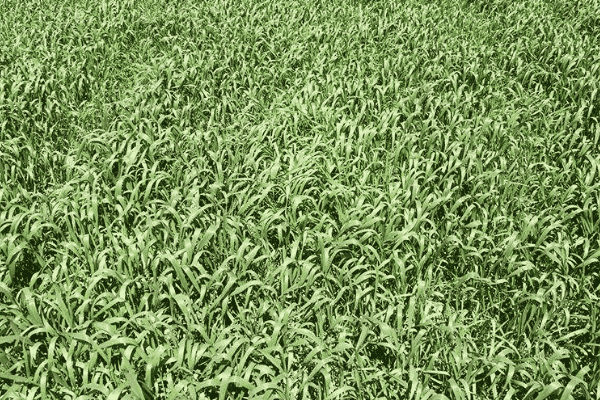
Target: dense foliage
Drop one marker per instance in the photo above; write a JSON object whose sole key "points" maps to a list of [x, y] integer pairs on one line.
{"points": [[300, 199]]}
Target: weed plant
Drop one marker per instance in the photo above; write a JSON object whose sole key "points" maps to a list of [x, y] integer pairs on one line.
{"points": [[300, 199]]}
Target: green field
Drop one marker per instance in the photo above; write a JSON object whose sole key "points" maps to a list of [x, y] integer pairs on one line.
{"points": [[300, 199]]}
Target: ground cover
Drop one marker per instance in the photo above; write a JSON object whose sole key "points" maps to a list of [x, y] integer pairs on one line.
{"points": [[299, 199]]}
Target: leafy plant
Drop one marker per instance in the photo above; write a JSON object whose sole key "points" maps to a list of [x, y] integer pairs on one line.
{"points": [[299, 199]]}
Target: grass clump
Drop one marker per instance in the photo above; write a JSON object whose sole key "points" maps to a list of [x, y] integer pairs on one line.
{"points": [[299, 199]]}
